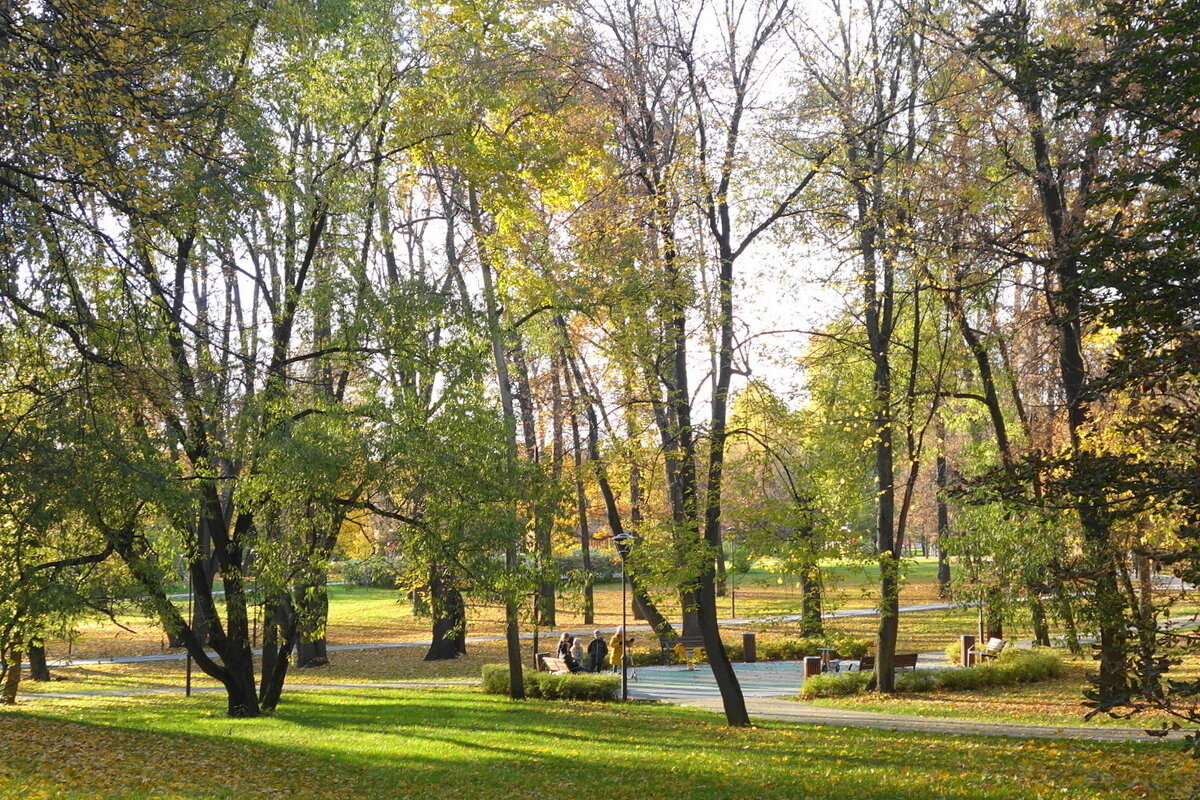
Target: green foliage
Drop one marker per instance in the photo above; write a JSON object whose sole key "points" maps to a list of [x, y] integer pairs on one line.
{"points": [[834, 684], [1017, 666], [918, 680], [377, 572], [606, 566], [547, 686]]}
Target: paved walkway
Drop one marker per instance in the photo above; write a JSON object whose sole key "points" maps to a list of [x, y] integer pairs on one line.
{"points": [[767, 685]]}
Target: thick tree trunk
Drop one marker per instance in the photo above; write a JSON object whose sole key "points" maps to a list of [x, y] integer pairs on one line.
{"points": [[38, 670], [12, 679], [313, 605], [1062, 222], [449, 638], [279, 636]]}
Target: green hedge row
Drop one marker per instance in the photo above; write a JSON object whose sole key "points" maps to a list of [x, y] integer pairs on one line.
{"points": [[576, 686], [1022, 666]]}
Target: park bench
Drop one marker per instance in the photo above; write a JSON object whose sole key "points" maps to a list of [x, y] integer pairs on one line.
{"points": [[990, 650], [555, 666], [690, 643], [899, 661]]}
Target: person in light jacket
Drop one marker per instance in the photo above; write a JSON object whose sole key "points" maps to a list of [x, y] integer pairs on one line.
{"points": [[619, 644]]}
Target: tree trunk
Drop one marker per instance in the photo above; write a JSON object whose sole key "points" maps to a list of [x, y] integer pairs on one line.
{"points": [[313, 603], [581, 510], [512, 630], [38, 670], [657, 621], [941, 478], [1037, 610], [543, 515], [449, 616], [811, 595], [279, 636], [993, 617], [12, 679]]}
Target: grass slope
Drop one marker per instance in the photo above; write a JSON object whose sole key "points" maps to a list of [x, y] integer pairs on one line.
{"points": [[460, 744]]}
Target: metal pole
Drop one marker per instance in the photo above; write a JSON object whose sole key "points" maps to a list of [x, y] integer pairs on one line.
{"points": [[187, 690], [624, 640]]}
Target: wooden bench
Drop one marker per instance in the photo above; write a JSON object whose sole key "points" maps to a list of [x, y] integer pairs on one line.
{"points": [[691, 643], [555, 666], [899, 661], [992, 649]]}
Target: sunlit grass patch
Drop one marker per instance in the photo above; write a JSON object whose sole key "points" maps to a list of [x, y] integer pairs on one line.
{"points": [[394, 744]]}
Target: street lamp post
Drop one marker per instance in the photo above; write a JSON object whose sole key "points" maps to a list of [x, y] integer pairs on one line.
{"points": [[620, 541]]}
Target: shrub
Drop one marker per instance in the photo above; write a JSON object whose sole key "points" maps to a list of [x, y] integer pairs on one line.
{"points": [[1021, 666], [495, 678], [606, 567], [576, 686], [965, 678], [954, 652], [920, 680], [834, 684], [847, 646], [645, 658], [1025, 666], [378, 572]]}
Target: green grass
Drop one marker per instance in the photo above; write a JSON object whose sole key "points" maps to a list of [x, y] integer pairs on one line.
{"points": [[393, 744], [1057, 701]]}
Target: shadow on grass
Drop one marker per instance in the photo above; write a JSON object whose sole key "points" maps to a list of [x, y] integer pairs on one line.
{"points": [[394, 744]]}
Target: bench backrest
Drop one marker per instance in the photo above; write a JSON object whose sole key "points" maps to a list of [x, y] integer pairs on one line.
{"points": [[994, 645], [690, 642], [556, 665], [899, 661]]}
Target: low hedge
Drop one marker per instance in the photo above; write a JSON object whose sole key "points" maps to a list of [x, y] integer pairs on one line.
{"points": [[1022, 666], [834, 684], [547, 686]]}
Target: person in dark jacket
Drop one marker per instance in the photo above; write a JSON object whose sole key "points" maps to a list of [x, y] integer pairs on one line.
{"points": [[598, 650]]}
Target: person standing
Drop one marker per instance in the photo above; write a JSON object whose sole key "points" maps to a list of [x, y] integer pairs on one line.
{"points": [[563, 650], [598, 650], [575, 662], [617, 646]]}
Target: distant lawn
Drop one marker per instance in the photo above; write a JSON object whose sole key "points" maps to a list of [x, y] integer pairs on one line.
{"points": [[459, 744], [366, 615]]}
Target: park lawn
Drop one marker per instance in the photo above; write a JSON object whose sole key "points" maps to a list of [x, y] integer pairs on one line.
{"points": [[443, 743], [1057, 701], [346, 666], [362, 615]]}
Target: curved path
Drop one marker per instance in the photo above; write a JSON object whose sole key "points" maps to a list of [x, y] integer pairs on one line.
{"points": [[766, 687]]}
